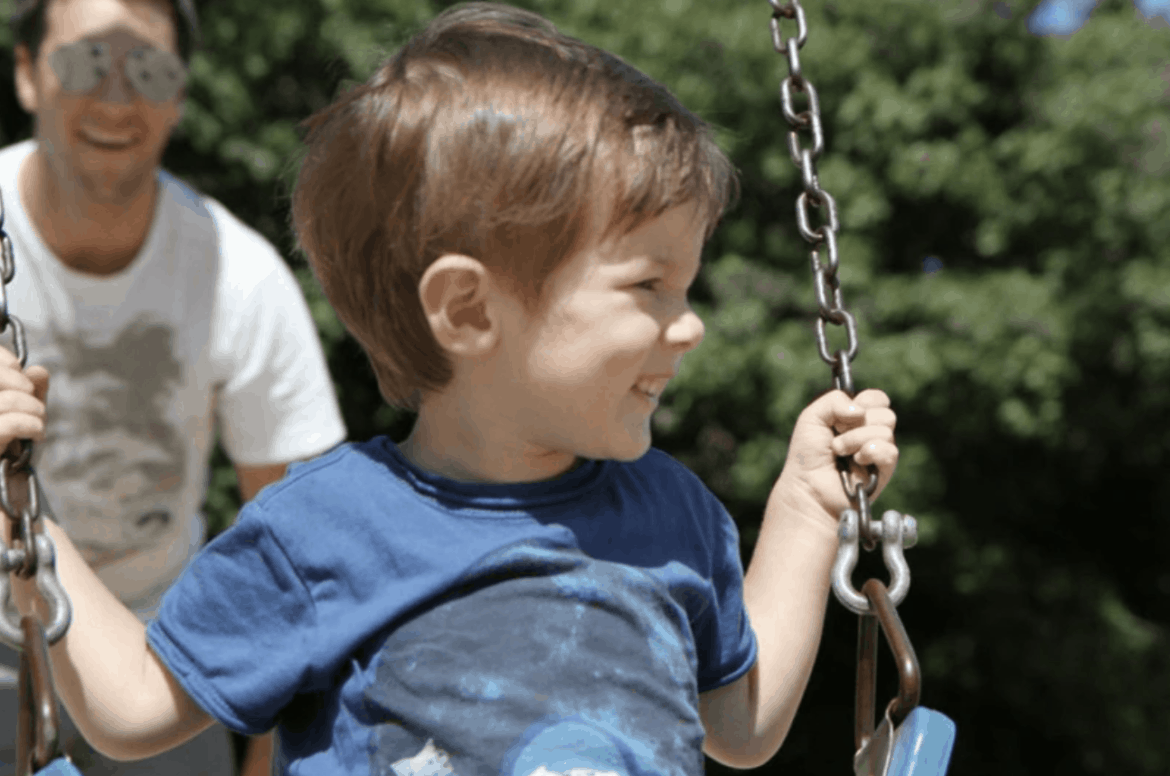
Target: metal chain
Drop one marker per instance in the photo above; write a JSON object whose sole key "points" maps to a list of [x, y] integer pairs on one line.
{"points": [[32, 553], [895, 531]]}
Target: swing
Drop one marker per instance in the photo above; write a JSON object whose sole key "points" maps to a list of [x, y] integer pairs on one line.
{"points": [[31, 555], [910, 740]]}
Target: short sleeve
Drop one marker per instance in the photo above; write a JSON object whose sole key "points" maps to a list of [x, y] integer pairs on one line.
{"points": [[276, 401], [668, 520], [233, 628], [724, 637]]}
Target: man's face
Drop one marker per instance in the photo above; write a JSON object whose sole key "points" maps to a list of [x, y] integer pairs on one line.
{"points": [[100, 132]]}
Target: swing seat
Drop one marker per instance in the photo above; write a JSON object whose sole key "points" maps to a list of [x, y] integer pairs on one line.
{"points": [[59, 767], [922, 744]]}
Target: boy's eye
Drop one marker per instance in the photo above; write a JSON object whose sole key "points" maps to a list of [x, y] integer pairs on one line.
{"points": [[650, 285]]}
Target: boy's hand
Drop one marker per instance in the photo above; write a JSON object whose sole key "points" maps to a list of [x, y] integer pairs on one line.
{"points": [[22, 400], [835, 425], [22, 416]]}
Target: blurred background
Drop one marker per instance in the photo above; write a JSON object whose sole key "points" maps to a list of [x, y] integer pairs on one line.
{"points": [[1003, 176]]}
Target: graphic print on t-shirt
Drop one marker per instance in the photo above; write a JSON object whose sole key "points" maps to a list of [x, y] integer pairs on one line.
{"points": [[544, 662], [112, 464]]}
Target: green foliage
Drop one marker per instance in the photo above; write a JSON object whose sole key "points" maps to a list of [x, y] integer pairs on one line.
{"points": [[1028, 373]]}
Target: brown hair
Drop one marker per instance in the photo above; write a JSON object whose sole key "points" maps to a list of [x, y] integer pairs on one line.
{"points": [[489, 134]]}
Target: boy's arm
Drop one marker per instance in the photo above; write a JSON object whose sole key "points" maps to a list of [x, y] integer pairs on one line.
{"points": [[786, 588], [787, 583], [125, 702]]}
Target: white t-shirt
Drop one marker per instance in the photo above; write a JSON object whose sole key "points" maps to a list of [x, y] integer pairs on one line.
{"points": [[206, 323]]}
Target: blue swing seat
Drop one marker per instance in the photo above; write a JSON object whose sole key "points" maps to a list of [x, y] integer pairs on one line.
{"points": [[59, 767], [922, 744]]}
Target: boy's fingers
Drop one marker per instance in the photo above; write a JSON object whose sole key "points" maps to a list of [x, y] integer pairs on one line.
{"points": [[868, 408], [21, 425], [881, 454], [21, 402], [836, 410], [853, 441], [15, 380], [8, 358], [881, 417], [872, 398], [39, 377]]}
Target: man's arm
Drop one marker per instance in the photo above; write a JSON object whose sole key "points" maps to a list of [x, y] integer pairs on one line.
{"points": [[252, 479]]}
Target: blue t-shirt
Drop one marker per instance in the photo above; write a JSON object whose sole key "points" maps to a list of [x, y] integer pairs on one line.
{"points": [[392, 621]]}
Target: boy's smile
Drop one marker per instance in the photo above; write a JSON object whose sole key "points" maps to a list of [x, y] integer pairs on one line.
{"points": [[588, 370], [581, 376]]}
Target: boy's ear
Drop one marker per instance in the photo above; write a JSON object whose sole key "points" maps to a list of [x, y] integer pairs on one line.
{"points": [[455, 292]]}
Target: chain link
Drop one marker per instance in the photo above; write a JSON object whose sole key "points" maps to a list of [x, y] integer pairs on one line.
{"points": [[827, 284], [857, 527], [32, 553]]}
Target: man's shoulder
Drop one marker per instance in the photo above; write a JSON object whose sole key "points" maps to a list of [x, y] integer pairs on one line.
{"points": [[247, 259], [17, 150], [237, 239], [12, 156]]}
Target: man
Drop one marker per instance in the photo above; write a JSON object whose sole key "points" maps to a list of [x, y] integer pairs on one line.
{"points": [[155, 312]]}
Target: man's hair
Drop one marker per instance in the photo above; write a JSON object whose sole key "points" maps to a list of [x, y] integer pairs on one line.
{"points": [[28, 25], [492, 135]]}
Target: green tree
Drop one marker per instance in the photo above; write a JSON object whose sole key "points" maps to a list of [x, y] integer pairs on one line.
{"points": [[1028, 372]]}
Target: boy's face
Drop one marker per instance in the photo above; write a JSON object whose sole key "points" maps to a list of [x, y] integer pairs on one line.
{"points": [[587, 370]]}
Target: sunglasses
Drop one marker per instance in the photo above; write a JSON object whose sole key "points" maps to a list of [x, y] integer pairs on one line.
{"points": [[83, 66]]}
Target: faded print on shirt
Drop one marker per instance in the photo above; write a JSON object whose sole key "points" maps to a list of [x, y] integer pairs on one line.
{"points": [[547, 662], [113, 463]]}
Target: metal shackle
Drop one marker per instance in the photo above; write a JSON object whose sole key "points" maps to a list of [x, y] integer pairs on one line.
{"points": [[898, 532], [61, 612]]}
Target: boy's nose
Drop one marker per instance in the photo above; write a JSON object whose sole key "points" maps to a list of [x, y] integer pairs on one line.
{"points": [[686, 331]]}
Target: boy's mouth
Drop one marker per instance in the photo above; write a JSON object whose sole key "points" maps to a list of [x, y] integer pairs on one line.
{"points": [[647, 396], [651, 387]]}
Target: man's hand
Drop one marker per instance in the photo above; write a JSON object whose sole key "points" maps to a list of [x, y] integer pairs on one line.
{"points": [[835, 425], [22, 400]]}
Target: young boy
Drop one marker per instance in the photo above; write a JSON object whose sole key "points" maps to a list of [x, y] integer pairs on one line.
{"points": [[508, 221]]}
